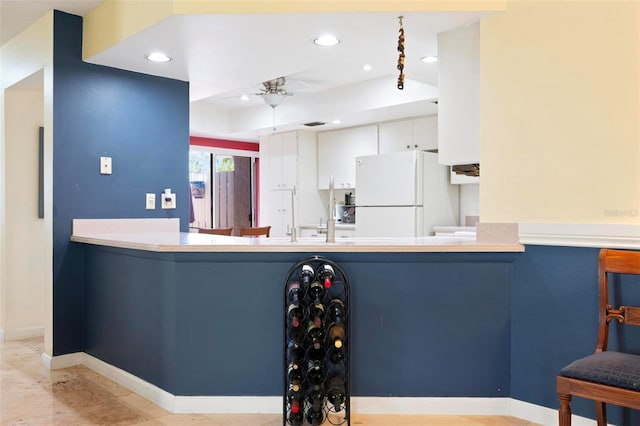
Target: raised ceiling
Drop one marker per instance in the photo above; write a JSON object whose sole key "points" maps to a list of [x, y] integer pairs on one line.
{"points": [[224, 56]]}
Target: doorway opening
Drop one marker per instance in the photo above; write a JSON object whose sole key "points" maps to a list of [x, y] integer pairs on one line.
{"points": [[223, 190]]}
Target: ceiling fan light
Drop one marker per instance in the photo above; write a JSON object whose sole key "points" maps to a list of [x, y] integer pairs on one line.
{"points": [[273, 99], [326, 40]]}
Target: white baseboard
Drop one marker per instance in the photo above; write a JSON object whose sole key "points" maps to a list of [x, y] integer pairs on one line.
{"points": [[62, 361], [228, 404], [430, 405], [273, 404], [21, 333], [135, 384]]}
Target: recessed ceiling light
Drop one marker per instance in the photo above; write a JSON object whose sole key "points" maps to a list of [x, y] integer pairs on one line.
{"points": [[336, 122], [366, 67], [429, 59], [158, 57], [244, 98], [326, 40]]}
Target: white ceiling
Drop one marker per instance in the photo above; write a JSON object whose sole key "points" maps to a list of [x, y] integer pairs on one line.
{"points": [[225, 56]]}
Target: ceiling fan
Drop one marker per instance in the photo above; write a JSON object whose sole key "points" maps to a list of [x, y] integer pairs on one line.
{"points": [[274, 92]]}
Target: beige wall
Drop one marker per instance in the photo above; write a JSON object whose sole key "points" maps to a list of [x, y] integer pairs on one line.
{"points": [[28, 53], [560, 114], [25, 275]]}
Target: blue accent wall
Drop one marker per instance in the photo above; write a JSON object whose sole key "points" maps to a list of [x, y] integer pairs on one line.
{"points": [[554, 320], [422, 324], [142, 123]]}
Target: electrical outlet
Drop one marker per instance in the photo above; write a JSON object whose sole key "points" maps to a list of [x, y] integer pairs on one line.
{"points": [[168, 200], [151, 201], [105, 165]]}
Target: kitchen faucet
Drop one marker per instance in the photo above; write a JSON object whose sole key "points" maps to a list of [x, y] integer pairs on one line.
{"points": [[293, 215], [331, 222]]}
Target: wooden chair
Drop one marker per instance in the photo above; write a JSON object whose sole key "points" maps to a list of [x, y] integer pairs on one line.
{"points": [[215, 231], [255, 232], [607, 377]]}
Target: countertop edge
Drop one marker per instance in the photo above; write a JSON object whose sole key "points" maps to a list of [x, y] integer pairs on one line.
{"points": [[346, 246]]}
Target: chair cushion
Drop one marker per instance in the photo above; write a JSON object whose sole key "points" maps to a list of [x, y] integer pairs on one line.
{"points": [[608, 368]]}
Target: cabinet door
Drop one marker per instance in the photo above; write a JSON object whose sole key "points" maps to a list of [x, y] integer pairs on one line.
{"points": [[363, 141], [289, 157], [459, 96], [282, 152], [277, 213], [425, 133], [331, 161], [395, 136], [337, 152], [345, 233]]}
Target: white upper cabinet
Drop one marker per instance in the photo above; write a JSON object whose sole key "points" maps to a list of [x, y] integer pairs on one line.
{"points": [[337, 152], [402, 135], [282, 155], [459, 96]]}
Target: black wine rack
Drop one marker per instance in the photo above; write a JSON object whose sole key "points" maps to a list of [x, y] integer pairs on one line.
{"points": [[316, 344]]}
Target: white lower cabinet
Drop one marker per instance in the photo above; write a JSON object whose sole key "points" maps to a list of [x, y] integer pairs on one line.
{"points": [[277, 213], [307, 232]]}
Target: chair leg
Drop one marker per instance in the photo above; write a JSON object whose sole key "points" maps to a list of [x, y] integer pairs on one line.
{"points": [[564, 414], [601, 413]]}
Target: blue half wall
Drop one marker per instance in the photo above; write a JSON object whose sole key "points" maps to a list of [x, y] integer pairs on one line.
{"points": [[142, 123]]}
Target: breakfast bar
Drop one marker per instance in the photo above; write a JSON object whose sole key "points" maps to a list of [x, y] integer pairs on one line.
{"points": [[201, 315]]}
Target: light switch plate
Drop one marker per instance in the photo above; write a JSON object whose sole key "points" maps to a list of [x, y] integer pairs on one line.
{"points": [[105, 165], [151, 201]]}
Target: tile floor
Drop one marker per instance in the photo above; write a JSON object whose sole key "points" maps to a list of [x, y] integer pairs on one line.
{"points": [[32, 395]]}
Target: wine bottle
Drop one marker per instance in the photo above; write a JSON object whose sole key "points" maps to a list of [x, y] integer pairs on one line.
{"points": [[315, 372], [315, 397], [315, 417], [336, 311], [295, 292], [316, 313], [295, 312], [336, 355], [316, 352], [294, 373], [336, 334], [306, 275], [316, 292], [295, 353], [295, 417], [336, 393], [315, 332], [326, 275], [295, 334], [295, 399]]}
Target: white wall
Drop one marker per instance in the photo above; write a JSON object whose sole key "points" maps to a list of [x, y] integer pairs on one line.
{"points": [[469, 201], [28, 53], [560, 108]]}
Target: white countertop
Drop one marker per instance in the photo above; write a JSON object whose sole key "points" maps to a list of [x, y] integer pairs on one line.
{"points": [[194, 242]]}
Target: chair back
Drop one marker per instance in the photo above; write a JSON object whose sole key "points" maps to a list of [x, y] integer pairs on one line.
{"points": [[215, 231], [255, 232], [614, 262]]}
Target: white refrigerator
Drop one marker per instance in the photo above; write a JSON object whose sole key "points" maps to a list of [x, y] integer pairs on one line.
{"points": [[403, 194]]}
